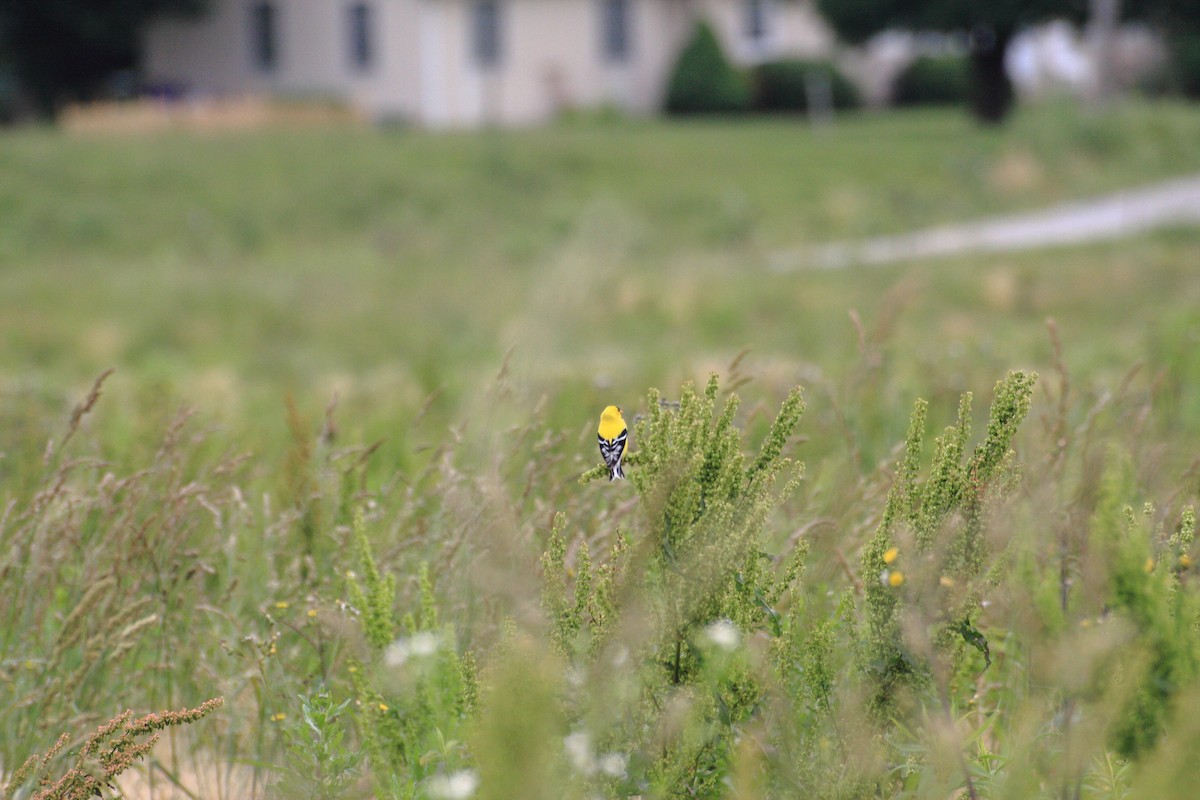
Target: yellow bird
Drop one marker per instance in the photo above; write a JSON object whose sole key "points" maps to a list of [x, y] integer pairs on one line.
{"points": [[612, 436]]}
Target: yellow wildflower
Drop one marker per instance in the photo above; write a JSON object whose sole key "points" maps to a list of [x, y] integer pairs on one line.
{"points": [[891, 555]]}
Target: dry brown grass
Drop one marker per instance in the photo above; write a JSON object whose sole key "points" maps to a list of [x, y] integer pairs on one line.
{"points": [[174, 771], [208, 115]]}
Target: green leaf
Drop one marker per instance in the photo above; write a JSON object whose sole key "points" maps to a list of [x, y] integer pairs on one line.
{"points": [[973, 637]]}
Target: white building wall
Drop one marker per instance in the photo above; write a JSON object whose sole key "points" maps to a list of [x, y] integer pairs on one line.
{"points": [[661, 29], [209, 55], [803, 32], [793, 28], [450, 93], [424, 69], [311, 41], [551, 60], [434, 29], [388, 88]]}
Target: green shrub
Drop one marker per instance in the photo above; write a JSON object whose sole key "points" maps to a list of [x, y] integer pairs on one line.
{"points": [[8, 95], [413, 693], [1178, 74], [1145, 572], [1185, 64], [703, 81], [320, 764], [695, 578], [933, 81], [783, 85], [943, 518]]}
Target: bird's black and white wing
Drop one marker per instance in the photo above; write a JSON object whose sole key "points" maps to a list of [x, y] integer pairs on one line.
{"points": [[611, 450]]}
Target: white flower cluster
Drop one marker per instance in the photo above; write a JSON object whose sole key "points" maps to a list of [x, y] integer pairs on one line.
{"points": [[724, 634], [581, 755], [455, 786], [419, 645]]}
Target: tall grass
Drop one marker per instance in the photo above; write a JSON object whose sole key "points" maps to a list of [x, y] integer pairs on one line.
{"points": [[335, 476], [1014, 618]]}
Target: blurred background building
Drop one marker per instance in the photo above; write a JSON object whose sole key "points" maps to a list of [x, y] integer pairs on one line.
{"points": [[469, 63], [463, 63]]}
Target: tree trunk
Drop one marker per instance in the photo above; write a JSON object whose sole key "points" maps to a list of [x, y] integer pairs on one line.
{"points": [[1102, 27], [991, 90]]}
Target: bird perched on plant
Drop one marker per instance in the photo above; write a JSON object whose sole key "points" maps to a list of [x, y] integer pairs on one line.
{"points": [[612, 436]]}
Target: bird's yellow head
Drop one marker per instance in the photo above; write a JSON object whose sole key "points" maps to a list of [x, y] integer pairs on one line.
{"points": [[611, 422]]}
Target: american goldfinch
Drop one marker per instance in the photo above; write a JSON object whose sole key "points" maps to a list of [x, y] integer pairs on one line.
{"points": [[612, 435]]}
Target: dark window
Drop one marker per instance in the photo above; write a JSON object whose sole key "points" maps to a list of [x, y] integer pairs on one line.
{"points": [[756, 19], [615, 29], [362, 54], [486, 32], [263, 24]]}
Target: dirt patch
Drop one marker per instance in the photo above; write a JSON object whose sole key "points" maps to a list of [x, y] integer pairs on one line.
{"points": [[143, 117]]}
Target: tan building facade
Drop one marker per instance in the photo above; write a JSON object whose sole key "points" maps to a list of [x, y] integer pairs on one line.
{"points": [[465, 63]]}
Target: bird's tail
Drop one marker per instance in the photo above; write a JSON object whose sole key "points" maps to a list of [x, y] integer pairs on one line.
{"points": [[615, 472]]}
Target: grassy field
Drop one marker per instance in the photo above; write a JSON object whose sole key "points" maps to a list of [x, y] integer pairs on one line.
{"points": [[349, 357]]}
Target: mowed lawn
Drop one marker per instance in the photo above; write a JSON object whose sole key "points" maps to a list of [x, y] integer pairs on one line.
{"points": [[399, 342], [390, 265]]}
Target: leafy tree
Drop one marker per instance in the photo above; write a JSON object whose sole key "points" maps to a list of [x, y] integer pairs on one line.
{"points": [[783, 85], [703, 81], [1180, 21], [991, 26], [933, 80], [62, 50]]}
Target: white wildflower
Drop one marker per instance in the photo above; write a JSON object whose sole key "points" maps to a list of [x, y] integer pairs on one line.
{"points": [[419, 645], [396, 653], [613, 764], [455, 786], [724, 634], [422, 644], [576, 677], [620, 655], [579, 750]]}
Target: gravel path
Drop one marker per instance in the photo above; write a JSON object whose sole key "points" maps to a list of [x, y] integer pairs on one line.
{"points": [[1124, 213]]}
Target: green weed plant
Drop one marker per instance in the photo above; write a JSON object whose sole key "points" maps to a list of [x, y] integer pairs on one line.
{"points": [[1005, 611]]}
